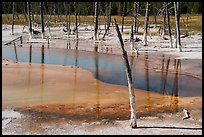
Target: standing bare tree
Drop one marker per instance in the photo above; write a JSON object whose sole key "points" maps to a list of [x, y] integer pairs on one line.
{"points": [[76, 20], [155, 14], [138, 6], [177, 18], [42, 20], [169, 24], [123, 14], [96, 20], [132, 42], [13, 13], [54, 12], [164, 20], [108, 19], [133, 117], [144, 40], [135, 16], [29, 19]]}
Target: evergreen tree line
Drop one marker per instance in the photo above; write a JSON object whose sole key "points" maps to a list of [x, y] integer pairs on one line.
{"points": [[87, 8]]}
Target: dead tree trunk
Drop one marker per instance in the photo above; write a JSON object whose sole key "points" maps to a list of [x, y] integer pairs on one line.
{"points": [[186, 23], [175, 40], [67, 22], [54, 11], [169, 24], [187, 19], [96, 20], [138, 5], [133, 117], [164, 20], [32, 15], [29, 19], [108, 20], [49, 22], [123, 14], [13, 12], [132, 42], [146, 25], [135, 17], [42, 20], [155, 14], [136, 9], [106, 17], [24, 13], [177, 18], [76, 21]]}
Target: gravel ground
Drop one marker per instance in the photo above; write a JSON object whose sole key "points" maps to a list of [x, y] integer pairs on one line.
{"points": [[162, 124]]}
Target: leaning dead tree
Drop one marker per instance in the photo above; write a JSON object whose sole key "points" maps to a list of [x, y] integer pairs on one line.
{"points": [[177, 32], [133, 117], [144, 40], [96, 20], [13, 11], [42, 20], [29, 19]]}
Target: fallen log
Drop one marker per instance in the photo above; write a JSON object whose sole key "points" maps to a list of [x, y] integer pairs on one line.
{"points": [[16, 39], [38, 41]]}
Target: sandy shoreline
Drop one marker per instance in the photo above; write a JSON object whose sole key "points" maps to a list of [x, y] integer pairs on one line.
{"points": [[165, 124]]}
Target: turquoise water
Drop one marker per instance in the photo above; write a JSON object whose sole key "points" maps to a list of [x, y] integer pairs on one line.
{"points": [[111, 69]]}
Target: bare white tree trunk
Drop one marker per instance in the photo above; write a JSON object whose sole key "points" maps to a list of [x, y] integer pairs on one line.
{"points": [[96, 20], [42, 20], [144, 40], [108, 21], [109, 15], [29, 19], [133, 118], [164, 20], [106, 17], [155, 14], [175, 40], [13, 12], [132, 42], [123, 14], [177, 18], [169, 24], [76, 21], [135, 17], [186, 25]]}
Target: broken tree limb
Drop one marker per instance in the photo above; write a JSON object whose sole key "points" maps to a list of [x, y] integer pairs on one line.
{"points": [[133, 118]]}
